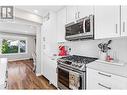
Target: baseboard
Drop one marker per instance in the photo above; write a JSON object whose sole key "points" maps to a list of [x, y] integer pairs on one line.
{"points": [[38, 74]]}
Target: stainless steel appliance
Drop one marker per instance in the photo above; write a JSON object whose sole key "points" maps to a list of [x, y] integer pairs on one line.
{"points": [[72, 71], [82, 29]]}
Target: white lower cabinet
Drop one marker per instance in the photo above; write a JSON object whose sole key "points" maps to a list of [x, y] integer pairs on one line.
{"points": [[49, 69], [53, 73], [97, 80], [46, 66]]}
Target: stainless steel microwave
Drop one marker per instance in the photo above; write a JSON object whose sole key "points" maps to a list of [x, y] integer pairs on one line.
{"points": [[81, 29]]}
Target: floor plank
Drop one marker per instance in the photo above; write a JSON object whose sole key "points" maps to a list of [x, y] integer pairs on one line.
{"points": [[21, 76]]}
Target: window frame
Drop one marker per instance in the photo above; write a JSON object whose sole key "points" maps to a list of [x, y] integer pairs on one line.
{"points": [[26, 51]]}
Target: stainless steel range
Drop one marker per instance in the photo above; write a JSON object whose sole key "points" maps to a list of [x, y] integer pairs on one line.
{"points": [[72, 71]]}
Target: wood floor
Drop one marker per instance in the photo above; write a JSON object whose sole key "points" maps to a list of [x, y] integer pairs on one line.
{"points": [[21, 76]]}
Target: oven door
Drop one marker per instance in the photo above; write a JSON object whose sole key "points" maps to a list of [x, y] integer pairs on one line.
{"points": [[66, 79], [63, 78]]}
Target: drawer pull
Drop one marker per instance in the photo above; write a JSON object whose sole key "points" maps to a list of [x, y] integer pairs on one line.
{"points": [[116, 29], [123, 26], [104, 86], [104, 74]]}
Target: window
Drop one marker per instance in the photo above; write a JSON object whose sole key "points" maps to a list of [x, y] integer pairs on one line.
{"points": [[13, 46], [22, 46]]}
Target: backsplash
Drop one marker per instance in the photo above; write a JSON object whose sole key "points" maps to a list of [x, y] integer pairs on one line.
{"points": [[90, 47]]}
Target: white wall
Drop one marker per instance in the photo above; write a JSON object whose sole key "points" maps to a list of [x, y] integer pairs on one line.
{"points": [[30, 46], [90, 47], [38, 50]]}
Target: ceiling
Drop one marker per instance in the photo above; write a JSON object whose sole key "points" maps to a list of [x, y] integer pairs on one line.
{"points": [[39, 10]]}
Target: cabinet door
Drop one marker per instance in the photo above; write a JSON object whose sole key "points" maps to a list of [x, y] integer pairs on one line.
{"points": [[49, 69], [98, 80], [92, 79], [123, 20], [50, 35], [71, 14], [53, 73], [61, 21], [84, 11], [107, 21], [119, 82], [45, 66]]}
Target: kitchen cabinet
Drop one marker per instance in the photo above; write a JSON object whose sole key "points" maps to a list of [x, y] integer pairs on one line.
{"points": [[123, 20], [49, 47], [107, 21], [49, 69], [77, 12], [61, 21], [84, 11], [71, 14], [45, 66], [53, 72], [98, 80], [49, 35]]}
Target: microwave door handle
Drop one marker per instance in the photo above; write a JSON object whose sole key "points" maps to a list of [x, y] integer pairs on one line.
{"points": [[84, 26]]}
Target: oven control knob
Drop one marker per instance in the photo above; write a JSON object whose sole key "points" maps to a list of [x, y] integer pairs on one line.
{"points": [[76, 65]]}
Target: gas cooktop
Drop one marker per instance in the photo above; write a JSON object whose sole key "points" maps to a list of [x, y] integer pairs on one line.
{"points": [[76, 61]]}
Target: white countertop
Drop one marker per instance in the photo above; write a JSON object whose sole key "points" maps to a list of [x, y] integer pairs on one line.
{"points": [[109, 68]]}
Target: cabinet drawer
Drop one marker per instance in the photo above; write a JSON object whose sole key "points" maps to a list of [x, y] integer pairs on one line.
{"points": [[101, 80], [119, 82], [98, 80], [111, 80]]}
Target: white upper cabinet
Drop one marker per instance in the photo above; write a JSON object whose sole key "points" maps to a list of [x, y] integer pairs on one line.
{"points": [[123, 20], [61, 21], [84, 11], [49, 34], [107, 21], [71, 14], [77, 12]]}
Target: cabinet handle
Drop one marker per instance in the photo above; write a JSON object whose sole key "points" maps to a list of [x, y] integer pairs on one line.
{"points": [[6, 74], [104, 86], [78, 14], [123, 26], [6, 84], [104, 74], [56, 70], [116, 29], [75, 15]]}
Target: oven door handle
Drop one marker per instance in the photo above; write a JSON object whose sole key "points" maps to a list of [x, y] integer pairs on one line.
{"points": [[68, 70]]}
